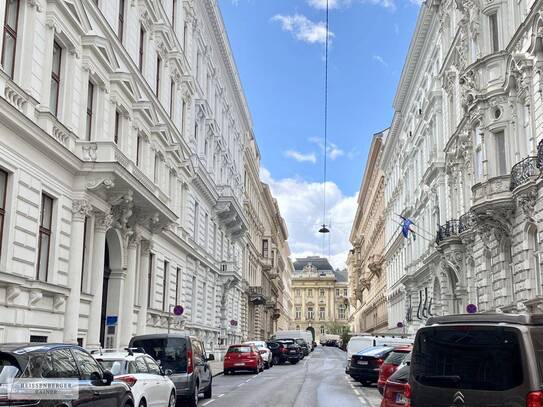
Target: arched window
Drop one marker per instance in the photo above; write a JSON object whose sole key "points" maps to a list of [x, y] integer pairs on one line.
{"points": [[534, 257]]}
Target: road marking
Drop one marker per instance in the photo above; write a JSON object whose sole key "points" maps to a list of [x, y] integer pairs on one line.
{"points": [[208, 402], [248, 380], [241, 384], [357, 392], [220, 395]]}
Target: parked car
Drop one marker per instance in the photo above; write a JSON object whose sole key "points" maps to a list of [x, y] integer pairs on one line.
{"points": [[61, 361], [391, 363], [150, 385], [186, 357], [478, 360], [361, 342], [279, 352], [365, 365], [264, 352], [397, 391], [303, 344], [293, 351], [243, 357]]}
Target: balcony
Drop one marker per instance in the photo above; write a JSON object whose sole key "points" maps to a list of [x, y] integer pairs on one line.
{"points": [[451, 228], [266, 263], [230, 212], [495, 191], [525, 171], [257, 295], [230, 269]]}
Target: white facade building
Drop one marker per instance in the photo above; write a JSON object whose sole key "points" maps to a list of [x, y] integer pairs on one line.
{"points": [[123, 128], [467, 127]]}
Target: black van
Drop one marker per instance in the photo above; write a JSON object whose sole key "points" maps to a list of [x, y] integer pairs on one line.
{"points": [[480, 360], [185, 356]]}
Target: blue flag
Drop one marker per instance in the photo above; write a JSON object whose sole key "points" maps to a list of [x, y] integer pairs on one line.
{"points": [[406, 228]]}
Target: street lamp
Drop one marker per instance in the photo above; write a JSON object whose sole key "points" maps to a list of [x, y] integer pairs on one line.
{"points": [[324, 229]]}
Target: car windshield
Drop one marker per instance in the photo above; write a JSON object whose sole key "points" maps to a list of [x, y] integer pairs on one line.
{"points": [[239, 349], [171, 352], [395, 358], [115, 366], [286, 341], [468, 357], [9, 368], [374, 351], [300, 342]]}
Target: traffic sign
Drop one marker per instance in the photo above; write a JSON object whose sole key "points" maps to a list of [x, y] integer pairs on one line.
{"points": [[471, 308], [178, 310]]}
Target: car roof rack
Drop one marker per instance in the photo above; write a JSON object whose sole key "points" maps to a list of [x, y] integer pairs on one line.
{"points": [[131, 351], [488, 318]]}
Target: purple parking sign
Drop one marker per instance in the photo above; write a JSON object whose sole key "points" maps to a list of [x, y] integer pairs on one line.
{"points": [[178, 310], [471, 308]]}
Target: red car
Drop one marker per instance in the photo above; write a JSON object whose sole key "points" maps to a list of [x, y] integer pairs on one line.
{"points": [[243, 357], [391, 363], [397, 392]]}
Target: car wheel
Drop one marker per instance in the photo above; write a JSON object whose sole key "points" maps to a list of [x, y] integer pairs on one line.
{"points": [[209, 391], [266, 365], [275, 360], [293, 362], [143, 403], [256, 371], [193, 399], [173, 400]]}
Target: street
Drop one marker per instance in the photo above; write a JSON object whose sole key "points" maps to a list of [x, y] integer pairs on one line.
{"points": [[318, 380]]}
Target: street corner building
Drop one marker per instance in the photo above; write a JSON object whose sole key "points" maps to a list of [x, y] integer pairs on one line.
{"points": [[462, 161], [365, 262], [320, 297], [124, 135]]}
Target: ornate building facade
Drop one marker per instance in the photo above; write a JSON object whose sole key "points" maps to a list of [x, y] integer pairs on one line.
{"points": [[467, 130], [320, 296], [367, 277], [122, 153]]}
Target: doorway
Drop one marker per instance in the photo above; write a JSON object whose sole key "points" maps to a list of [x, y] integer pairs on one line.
{"points": [[107, 274]]}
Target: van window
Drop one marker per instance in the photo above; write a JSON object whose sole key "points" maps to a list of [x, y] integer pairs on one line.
{"points": [[9, 368], [396, 358], [537, 340], [468, 357], [239, 349], [171, 352]]}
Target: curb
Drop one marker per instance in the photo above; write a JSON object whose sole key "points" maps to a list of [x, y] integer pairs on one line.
{"points": [[218, 374]]}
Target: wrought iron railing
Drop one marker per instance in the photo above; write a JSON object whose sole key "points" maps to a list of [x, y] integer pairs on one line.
{"points": [[450, 228], [466, 222], [524, 170], [540, 155]]}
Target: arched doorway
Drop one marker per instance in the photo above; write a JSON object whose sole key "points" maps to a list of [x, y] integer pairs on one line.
{"points": [[312, 330], [111, 289]]}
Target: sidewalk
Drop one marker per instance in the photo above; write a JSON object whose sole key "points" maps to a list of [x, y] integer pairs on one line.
{"points": [[216, 367]]}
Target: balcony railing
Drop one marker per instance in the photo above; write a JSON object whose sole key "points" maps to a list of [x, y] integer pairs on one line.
{"points": [[466, 222], [524, 170], [449, 229], [539, 162]]}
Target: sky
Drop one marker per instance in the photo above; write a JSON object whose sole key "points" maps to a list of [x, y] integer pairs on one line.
{"points": [[279, 50]]}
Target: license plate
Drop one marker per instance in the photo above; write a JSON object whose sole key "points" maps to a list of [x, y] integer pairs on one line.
{"points": [[239, 364], [362, 362], [401, 399], [293, 351]]}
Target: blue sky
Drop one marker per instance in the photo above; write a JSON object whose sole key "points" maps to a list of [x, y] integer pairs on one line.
{"points": [[279, 51]]}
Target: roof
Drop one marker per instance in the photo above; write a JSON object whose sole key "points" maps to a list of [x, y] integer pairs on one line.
{"points": [[320, 263], [490, 318], [341, 276]]}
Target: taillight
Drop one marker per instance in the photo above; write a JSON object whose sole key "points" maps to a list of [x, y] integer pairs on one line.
{"points": [[535, 399], [407, 394], [190, 367], [130, 380], [284, 350]]}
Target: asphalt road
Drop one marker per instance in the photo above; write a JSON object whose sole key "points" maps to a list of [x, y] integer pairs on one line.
{"points": [[317, 381]]}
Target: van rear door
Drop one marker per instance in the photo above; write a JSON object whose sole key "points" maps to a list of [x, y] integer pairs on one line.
{"points": [[471, 365]]}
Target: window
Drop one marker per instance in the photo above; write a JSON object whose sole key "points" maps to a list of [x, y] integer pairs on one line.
{"points": [[321, 292], [153, 367], [117, 130], [214, 248], [204, 301], [337, 292], [38, 339], [11, 20], [174, 12], [165, 305], [206, 231], [501, 162], [479, 153], [322, 330], [86, 363], [265, 249], [183, 115], [158, 72], [345, 292], [196, 219], [139, 152], [310, 292], [322, 313], [195, 132], [185, 33], [63, 365], [150, 282], [44, 238], [157, 169], [55, 78], [172, 95], [494, 33], [120, 27], [83, 258], [534, 258], [297, 292], [90, 103], [193, 305], [310, 313], [3, 195], [178, 281], [298, 313], [141, 50], [341, 312]]}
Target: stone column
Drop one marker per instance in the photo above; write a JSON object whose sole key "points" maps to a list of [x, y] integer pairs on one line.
{"points": [[80, 210], [144, 285], [127, 315], [101, 226]]}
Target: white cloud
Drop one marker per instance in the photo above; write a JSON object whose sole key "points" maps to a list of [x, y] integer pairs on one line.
{"points": [[301, 157], [321, 4], [332, 149], [303, 28], [380, 59], [300, 202], [389, 4]]}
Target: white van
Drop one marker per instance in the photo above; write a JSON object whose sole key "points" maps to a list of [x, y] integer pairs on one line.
{"points": [[358, 343]]}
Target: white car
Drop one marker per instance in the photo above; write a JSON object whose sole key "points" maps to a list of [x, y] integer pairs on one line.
{"points": [[150, 386], [266, 354]]}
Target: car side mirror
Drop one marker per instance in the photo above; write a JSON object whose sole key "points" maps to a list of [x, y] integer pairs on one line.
{"points": [[210, 357], [107, 378], [168, 372]]}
